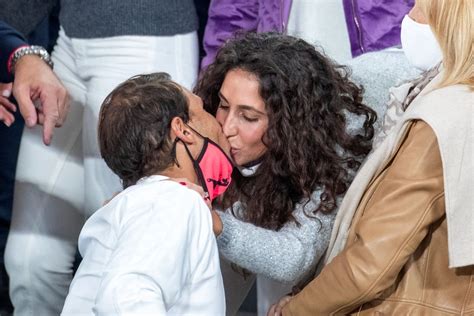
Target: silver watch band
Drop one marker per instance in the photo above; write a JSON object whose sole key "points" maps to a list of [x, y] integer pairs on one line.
{"points": [[31, 50]]}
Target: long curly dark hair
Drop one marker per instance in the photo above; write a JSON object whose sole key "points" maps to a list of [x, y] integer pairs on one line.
{"points": [[307, 99]]}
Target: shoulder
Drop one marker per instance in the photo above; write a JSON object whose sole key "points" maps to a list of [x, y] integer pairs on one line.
{"points": [[154, 199], [456, 93], [420, 137], [448, 110], [454, 101], [418, 158]]}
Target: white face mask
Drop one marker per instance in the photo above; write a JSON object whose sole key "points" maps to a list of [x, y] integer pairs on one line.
{"points": [[419, 44]]}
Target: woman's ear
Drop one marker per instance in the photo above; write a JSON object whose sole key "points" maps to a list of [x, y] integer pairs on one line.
{"points": [[182, 131]]}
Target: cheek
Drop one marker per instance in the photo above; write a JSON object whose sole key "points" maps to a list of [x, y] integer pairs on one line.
{"points": [[252, 137]]}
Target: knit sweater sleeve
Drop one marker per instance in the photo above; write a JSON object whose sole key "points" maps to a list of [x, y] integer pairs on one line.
{"points": [[286, 255]]}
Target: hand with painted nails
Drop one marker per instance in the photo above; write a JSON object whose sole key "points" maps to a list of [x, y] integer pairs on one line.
{"points": [[35, 83], [6, 107]]}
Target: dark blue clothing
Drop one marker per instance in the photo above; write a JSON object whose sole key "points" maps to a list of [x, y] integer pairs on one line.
{"points": [[45, 35], [10, 40]]}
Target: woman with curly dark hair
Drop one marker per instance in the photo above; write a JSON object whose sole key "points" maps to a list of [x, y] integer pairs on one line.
{"points": [[288, 113]]}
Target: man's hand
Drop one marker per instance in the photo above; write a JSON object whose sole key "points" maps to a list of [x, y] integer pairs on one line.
{"points": [[6, 107], [277, 308], [35, 81]]}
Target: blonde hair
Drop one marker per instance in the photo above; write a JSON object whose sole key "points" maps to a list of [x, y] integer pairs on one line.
{"points": [[452, 22]]}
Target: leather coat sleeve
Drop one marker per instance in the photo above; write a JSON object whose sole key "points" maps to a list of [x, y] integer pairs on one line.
{"points": [[407, 200]]}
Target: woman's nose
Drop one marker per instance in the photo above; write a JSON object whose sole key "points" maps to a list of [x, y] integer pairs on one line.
{"points": [[229, 126]]}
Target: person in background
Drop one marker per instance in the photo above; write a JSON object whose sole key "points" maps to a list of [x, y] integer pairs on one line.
{"points": [[285, 108], [30, 70], [33, 74], [100, 44], [151, 249], [402, 241], [355, 27]]}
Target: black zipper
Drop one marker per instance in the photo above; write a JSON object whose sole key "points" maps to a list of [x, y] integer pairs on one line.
{"points": [[357, 24]]}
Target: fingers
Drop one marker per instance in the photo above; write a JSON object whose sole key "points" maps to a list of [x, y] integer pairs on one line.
{"points": [[6, 117], [7, 104], [6, 89], [277, 309], [271, 311], [27, 108], [34, 80], [40, 118], [51, 115], [55, 102], [208, 201], [217, 225], [61, 107], [6, 107]]}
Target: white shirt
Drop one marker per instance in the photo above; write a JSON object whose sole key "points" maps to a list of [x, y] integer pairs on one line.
{"points": [[149, 251]]}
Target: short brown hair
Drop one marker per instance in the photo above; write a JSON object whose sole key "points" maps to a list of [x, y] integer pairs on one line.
{"points": [[134, 126]]}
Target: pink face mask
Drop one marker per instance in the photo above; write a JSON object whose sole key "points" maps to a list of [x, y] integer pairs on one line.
{"points": [[213, 168]]}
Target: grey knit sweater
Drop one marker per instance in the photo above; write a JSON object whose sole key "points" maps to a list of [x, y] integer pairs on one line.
{"points": [[105, 18], [286, 255], [377, 72]]}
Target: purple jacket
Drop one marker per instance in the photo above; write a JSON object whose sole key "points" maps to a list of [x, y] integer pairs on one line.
{"points": [[228, 16], [372, 24]]}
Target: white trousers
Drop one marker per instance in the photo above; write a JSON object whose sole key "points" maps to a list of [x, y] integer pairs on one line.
{"points": [[59, 186]]}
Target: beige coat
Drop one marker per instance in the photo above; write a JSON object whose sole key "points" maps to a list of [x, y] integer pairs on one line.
{"points": [[407, 211]]}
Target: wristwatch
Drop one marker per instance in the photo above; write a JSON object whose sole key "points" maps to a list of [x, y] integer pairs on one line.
{"points": [[30, 50]]}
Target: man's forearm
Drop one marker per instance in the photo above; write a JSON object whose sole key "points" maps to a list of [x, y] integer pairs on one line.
{"points": [[10, 40]]}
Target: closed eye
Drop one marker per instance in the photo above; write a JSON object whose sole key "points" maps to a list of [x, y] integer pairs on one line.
{"points": [[248, 119], [223, 106]]}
